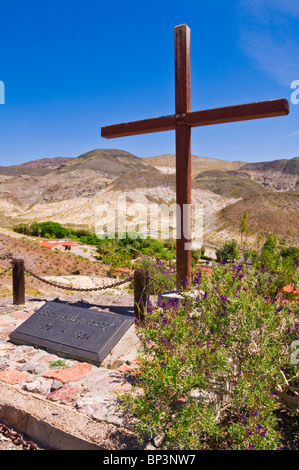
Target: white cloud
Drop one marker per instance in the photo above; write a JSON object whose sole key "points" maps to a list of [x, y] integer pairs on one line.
{"points": [[268, 37], [261, 7], [262, 142]]}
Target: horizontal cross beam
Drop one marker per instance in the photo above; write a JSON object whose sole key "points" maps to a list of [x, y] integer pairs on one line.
{"points": [[242, 112]]}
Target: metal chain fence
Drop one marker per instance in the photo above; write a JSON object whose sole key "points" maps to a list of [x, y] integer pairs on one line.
{"points": [[80, 289], [17, 438], [88, 289], [5, 256], [6, 270]]}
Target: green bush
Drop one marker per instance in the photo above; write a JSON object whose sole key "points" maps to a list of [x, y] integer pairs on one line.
{"points": [[229, 251], [160, 271], [210, 368]]}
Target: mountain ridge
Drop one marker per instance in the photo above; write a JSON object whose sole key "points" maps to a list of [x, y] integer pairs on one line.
{"points": [[69, 190], [290, 166], [41, 166]]}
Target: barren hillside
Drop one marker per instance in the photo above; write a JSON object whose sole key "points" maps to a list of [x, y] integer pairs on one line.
{"points": [[43, 262], [267, 213], [71, 191]]}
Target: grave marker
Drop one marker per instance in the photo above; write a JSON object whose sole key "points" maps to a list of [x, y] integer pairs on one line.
{"points": [[76, 332]]}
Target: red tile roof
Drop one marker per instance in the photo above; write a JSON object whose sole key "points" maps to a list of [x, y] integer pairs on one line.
{"points": [[48, 244]]}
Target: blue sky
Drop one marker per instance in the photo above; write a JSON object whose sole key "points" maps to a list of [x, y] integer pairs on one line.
{"points": [[71, 67]]}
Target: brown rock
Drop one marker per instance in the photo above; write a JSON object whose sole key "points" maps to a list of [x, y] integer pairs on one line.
{"points": [[13, 377], [65, 394], [123, 388], [21, 315], [71, 374]]}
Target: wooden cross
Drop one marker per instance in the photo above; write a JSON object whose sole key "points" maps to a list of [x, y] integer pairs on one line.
{"points": [[181, 122]]}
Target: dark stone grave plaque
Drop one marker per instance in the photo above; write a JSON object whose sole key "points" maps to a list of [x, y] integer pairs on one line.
{"points": [[75, 332]]}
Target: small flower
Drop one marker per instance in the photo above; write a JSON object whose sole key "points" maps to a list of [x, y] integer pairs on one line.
{"points": [[224, 298]]}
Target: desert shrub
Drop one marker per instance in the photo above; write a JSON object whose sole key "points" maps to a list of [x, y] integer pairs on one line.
{"points": [[228, 252], [211, 369], [159, 271]]}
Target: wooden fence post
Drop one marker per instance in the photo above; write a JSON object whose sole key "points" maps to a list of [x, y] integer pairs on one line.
{"points": [[141, 292], [18, 282]]}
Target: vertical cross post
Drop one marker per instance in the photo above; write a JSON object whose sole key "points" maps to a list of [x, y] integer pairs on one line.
{"points": [[141, 293], [181, 122], [183, 152], [18, 282]]}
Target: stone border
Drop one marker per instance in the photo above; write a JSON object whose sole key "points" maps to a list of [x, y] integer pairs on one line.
{"points": [[57, 427]]}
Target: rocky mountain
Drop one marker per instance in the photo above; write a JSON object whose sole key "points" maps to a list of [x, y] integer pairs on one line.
{"points": [[280, 175], [39, 167], [285, 166], [71, 190], [166, 164]]}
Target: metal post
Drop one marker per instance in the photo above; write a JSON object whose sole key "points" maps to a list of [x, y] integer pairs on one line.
{"points": [[18, 282], [141, 293]]}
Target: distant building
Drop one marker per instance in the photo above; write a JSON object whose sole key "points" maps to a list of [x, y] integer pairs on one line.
{"points": [[59, 244], [49, 244], [119, 272], [69, 245], [206, 268]]}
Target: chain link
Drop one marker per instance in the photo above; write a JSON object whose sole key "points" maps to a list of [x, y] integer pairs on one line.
{"points": [[6, 270], [17, 438], [3, 257], [6, 256], [81, 289]]}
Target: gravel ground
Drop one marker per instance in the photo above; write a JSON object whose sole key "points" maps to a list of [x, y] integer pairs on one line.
{"points": [[120, 302]]}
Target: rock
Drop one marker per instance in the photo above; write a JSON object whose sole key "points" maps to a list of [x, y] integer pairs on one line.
{"points": [[90, 404], [4, 364], [39, 385], [47, 358], [33, 368], [137, 392], [112, 418], [56, 385], [21, 315], [67, 393], [123, 388], [159, 439], [125, 349], [195, 393], [13, 377], [203, 395], [104, 380], [70, 374], [149, 446], [102, 408], [125, 368], [23, 353], [6, 346], [116, 364]]}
